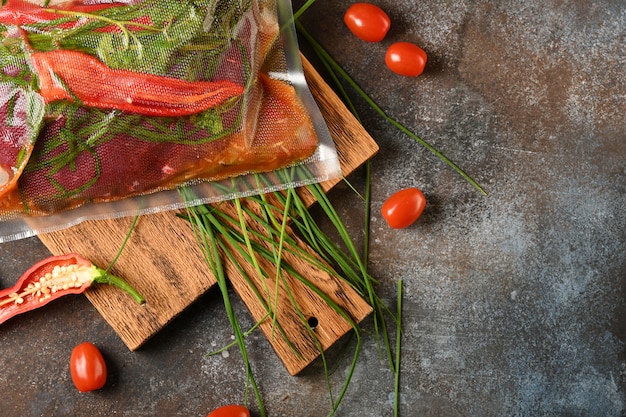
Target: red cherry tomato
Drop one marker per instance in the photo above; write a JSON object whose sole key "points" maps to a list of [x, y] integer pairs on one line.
{"points": [[405, 58], [232, 410], [403, 208], [367, 22], [87, 367]]}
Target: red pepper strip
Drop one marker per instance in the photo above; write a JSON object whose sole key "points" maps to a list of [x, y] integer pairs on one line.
{"points": [[70, 75], [21, 12], [52, 278], [18, 134], [10, 174]]}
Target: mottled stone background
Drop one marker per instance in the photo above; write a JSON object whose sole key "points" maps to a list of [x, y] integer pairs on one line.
{"points": [[514, 303]]}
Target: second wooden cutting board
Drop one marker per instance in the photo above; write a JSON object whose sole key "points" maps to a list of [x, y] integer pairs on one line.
{"points": [[165, 263]]}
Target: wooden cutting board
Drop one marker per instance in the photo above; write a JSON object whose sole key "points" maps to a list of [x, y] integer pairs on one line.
{"points": [[163, 260]]}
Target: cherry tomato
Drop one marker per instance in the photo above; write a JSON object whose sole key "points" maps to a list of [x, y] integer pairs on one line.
{"points": [[87, 367], [367, 22], [406, 58], [232, 410], [403, 208]]}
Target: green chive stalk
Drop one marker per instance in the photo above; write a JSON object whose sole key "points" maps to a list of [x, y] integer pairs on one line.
{"points": [[333, 66], [396, 397]]}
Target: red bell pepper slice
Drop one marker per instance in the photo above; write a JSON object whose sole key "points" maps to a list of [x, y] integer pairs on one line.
{"points": [[21, 12], [76, 76], [53, 278]]}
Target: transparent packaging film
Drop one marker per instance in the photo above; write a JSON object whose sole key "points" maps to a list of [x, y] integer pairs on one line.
{"points": [[112, 108]]}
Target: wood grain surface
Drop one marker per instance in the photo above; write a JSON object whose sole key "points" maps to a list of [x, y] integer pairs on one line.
{"points": [[163, 260]]}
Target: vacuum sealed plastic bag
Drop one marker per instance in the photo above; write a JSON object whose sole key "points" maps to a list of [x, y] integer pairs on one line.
{"points": [[110, 107]]}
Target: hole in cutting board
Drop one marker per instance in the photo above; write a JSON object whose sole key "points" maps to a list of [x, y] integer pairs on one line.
{"points": [[312, 322]]}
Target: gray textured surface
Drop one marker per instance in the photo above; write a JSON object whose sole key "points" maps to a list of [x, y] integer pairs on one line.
{"points": [[514, 302]]}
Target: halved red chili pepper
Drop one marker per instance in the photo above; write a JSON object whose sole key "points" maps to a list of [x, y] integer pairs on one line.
{"points": [[52, 278], [72, 75]]}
